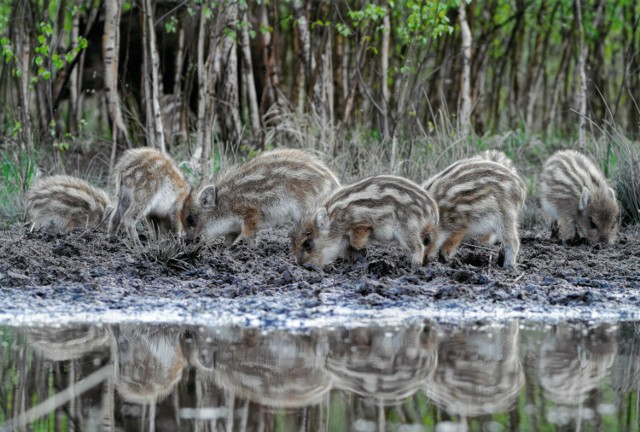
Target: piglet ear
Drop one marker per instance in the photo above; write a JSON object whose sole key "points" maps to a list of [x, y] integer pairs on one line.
{"points": [[321, 219], [207, 197], [584, 199]]}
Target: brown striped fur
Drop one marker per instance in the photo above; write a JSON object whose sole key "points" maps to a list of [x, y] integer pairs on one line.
{"points": [[148, 184], [378, 209], [63, 203], [277, 187], [480, 199], [496, 156], [576, 196]]}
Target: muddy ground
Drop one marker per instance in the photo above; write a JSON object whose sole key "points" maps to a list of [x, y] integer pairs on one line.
{"points": [[83, 276]]}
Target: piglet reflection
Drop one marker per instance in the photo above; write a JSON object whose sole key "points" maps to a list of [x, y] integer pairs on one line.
{"points": [[277, 369], [478, 372], [68, 343], [382, 364], [573, 363], [148, 362]]}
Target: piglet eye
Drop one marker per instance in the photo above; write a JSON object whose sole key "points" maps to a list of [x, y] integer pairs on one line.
{"points": [[307, 245], [192, 220], [592, 224]]}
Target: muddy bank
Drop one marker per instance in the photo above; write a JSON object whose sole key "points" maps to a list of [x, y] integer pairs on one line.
{"points": [[83, 276]]}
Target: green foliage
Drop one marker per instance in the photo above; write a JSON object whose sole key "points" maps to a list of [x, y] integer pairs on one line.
{"points": [[48, 64], [15, 170], [420, 22]]}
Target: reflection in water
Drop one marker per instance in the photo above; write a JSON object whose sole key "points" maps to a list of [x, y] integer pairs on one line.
{"points": [[574, 361], [281, 369], [148, 362], [68, 343], [479, 370], [426, 376], [382, 364]]}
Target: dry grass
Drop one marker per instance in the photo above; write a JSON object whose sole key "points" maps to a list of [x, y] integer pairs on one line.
{"points": [[626, 175], [171, 252]]}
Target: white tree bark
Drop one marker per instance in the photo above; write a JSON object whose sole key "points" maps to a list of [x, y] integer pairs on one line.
{"points": [[304, 66], [248, 73], [203, 102], [384, 66], [465, 87], [228, 99], [110, 50], [156, 84], [581, 95]]}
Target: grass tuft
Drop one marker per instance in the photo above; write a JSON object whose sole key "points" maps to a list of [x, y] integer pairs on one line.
{"points": [[626, 175], [17, 172], [171, 252]]}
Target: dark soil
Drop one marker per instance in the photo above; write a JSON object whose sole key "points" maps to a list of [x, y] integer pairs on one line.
{"points": [[83, 276]]}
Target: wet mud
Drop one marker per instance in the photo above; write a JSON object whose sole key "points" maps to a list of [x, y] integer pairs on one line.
{"points": [[85, 276]]}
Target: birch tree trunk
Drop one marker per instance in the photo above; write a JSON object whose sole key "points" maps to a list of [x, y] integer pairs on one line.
{"points": [[581, 95], [73, 119], [110, 50], [270, 91], [156, 84], [146, 82], [23, 51], [203, 102], [384, 66], [228, 100], [248, 73], [465, 85], [304, 39]]}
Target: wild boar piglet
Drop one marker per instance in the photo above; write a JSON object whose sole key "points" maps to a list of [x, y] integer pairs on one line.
{"points": [[577, 198], [496, 156], [148, 184], [62, 203], [378, 209], [277, 187], [478, 199]]}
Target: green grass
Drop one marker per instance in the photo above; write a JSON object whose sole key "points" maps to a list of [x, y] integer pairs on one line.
{"points": [[17, 172]]}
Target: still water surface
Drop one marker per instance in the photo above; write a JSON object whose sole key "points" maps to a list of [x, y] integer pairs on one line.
{"points": [[427, 376]]}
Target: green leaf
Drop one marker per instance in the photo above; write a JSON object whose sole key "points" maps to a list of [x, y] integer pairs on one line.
{"points": [[231, 33]]}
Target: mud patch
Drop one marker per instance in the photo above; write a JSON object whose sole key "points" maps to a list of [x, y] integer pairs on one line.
{"points": [[84, 273]]}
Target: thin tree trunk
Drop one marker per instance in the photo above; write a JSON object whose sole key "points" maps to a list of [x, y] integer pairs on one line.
{"points": [[303, 47], [581, 96], [248, 74], [384, 66], [23, 44], [271, 81], [203, 102], [308, 60], [628, 60], [22, 40], [228, 99], [465, 84], [538, 78], [110, 51], [174, 120], [146, 82], [564, 65], [72, 120], [353, 83], [156, 83]]}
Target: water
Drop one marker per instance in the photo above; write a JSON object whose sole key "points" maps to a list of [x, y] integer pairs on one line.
{"points": [[427, 376]]}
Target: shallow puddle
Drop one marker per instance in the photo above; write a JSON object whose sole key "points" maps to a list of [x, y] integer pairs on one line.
{"points": [[427, 376]]}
